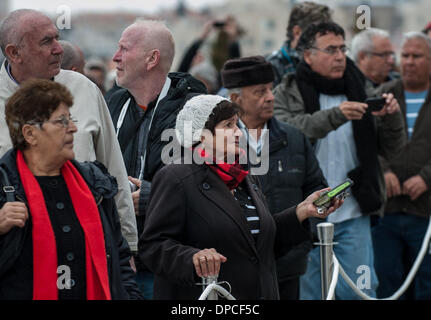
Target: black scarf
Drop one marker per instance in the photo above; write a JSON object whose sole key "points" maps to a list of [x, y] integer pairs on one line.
{"points": [[366, 176]]}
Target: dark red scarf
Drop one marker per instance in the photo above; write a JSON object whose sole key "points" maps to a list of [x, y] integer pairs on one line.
{"points": [[44, 246], [231, 174]]}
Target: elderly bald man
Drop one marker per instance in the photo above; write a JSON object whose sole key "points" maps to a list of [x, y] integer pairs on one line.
{"points": [[73, 57], [148, 104], [29, 41]]}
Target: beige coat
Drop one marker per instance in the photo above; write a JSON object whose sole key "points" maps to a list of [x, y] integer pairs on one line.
{"points": [[95, 139]]}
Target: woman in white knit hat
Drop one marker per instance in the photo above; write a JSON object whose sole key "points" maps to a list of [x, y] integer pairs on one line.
{"points": [[210, 218]]}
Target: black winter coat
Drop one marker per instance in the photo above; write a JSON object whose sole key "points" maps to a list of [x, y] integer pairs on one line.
{"points": [[164, 117], [192, 209], [293, 174], [104, 188]]}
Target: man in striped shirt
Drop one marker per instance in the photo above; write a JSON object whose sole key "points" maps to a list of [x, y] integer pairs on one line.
{"points": [[398, 236]]}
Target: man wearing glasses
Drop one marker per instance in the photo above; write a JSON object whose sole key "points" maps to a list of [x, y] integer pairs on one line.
{"points": [[325, 99], [30, 42], [374, 55]]}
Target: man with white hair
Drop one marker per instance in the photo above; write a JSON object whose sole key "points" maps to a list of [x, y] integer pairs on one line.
{"points": [[29, 41], [408, 176], [374, 55], [146, 106]]}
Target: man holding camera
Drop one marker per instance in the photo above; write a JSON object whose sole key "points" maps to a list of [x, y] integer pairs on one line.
{"points": [[326, 100]]}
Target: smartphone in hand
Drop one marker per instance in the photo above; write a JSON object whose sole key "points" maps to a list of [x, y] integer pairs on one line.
{"points": [[375, 104]]}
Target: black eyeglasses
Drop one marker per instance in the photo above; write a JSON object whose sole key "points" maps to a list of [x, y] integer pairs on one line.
{"points": [[332, 50], [63, 121], [385, 55]]}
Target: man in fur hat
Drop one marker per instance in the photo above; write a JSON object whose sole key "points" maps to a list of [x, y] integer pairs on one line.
{"points": [[293, 171]]}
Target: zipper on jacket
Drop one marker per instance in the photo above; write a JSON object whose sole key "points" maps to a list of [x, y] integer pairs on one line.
{"points": [[99, 201], [280, 167]]}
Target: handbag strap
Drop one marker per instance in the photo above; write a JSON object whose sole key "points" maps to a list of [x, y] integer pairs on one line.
{"points": [[8, 189]]}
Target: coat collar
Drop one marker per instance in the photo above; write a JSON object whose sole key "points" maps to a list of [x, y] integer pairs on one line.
{"points": [[213, 188]]}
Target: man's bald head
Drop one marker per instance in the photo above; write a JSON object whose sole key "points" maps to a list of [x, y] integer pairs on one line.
{"points": [[17, 24], [152, 34], [29, 41], [72, 57]]}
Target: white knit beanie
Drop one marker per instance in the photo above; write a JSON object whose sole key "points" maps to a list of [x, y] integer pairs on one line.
{"points": [[192, 118]]}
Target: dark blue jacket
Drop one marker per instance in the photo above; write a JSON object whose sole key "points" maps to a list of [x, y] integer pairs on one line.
{"points": [[104, 188], [294, 174]]}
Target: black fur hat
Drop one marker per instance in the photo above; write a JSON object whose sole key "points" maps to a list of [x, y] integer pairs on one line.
{"points": [[247, 71]]}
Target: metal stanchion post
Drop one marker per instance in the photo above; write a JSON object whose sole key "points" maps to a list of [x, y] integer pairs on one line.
{"points": [[206, 281], [325, 233]]}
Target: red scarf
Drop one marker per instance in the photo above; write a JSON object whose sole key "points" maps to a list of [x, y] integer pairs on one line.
{"points": [[231, 174], [44, 245]]}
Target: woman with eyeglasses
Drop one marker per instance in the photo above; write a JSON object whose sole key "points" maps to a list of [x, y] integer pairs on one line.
{"points": [[60, 234]]}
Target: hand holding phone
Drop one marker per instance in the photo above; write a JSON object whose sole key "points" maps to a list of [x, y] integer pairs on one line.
{"points": [[326, 198], [219, 24], [375, 104]]}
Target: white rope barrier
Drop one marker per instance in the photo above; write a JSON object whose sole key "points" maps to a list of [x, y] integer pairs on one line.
{"points": [[331, 291], [214, 286], [339, 269]]}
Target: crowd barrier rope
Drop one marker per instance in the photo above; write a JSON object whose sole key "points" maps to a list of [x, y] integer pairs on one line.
{"points": [[331, 266], [213, 289]]}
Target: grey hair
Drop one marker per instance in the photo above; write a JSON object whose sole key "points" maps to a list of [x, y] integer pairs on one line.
{"points": [[70, 55], [363, 41], [416, 35], [231, 91], [10, 30]]}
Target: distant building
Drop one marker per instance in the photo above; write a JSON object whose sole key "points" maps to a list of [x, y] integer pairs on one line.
{"points": [[264, 22]]}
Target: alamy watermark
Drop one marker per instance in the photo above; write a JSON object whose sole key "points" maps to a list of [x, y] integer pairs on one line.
{"points": [[64, 280], [64, 18], [363, 21], [364, 280], [174, 153]]}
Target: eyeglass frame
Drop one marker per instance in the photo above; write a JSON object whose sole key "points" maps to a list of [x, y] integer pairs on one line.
{"points": [[62, 120], [384, 55], [343, 49]]}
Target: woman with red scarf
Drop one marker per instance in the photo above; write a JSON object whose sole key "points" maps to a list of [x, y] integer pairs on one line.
{"points": [[60, 235], [210, 217]]}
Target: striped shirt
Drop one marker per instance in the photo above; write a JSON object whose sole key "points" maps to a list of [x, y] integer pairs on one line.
{"points": [[247, 205], [414, 102]]}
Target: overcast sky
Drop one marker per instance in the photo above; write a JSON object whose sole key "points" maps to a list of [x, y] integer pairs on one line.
{"points": [[148, 6]]}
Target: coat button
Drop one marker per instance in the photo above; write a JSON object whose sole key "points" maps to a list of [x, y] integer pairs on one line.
{"points": [[253, 260], [254, 187], [70, 256], [206, 186], [70, 283], [66, 229], [60, 205]]}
